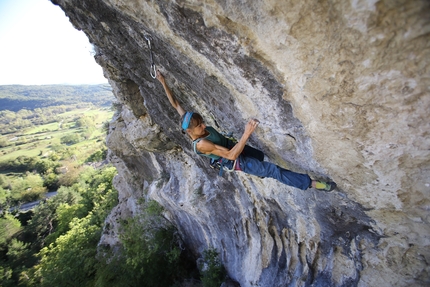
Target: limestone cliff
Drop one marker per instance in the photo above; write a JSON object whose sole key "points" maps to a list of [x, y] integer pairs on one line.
{"points": [[341, 89]]}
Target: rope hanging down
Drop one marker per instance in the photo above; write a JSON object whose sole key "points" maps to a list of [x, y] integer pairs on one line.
{"points": [[152, 70]]}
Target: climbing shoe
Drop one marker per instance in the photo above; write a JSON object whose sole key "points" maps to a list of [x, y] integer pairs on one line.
{"points": [[326, 186]]}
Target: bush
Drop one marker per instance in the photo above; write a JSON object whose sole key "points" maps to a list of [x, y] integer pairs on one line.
{"points": [[70, 255], [70, 139], [3, 142], [50, 181], [46, 166], [33, 194], [19, 164], [98, 156], [9, 226], [212, 270], [150, 254], [71, 176]]}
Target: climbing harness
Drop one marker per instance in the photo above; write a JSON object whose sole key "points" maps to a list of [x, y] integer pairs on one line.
{"points": [[152, 70], [223, 164]]}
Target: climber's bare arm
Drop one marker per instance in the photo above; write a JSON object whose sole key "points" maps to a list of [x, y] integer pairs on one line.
{"points": [[172, 99], [208, 147]]}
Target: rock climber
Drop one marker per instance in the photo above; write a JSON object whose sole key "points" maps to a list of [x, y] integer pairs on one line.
{"points": [[236, 156]]}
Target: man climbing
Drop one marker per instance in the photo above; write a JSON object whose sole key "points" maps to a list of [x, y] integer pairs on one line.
{"points": [[239, 157]]}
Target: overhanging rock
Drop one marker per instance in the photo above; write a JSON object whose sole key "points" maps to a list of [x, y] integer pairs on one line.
{"points": [[341, 91]]}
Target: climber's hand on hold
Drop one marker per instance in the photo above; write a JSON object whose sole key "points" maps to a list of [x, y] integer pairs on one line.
{"points": [[251, 126]]}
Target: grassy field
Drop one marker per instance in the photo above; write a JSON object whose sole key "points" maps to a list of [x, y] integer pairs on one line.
{"points": [[40, 140]]}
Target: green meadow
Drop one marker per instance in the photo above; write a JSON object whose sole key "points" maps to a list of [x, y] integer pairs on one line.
{"points": [[48, 135], [40, 140]]}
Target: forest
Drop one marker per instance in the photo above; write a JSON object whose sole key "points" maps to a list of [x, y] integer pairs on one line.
{"points": [[59, 147], [17, 97]]}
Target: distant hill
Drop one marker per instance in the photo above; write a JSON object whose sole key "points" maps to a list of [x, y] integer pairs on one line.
{"points": [[17, 97]]}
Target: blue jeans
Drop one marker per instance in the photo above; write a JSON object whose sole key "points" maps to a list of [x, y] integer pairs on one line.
{"points": [[253, 166]]}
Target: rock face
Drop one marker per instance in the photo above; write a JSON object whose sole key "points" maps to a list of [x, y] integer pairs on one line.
{"points": [[341, 89]]}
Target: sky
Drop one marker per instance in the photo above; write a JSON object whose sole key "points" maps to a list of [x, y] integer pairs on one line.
{"points": [[39, 46]]}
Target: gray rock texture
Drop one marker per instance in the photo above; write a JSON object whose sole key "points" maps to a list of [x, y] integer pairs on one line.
{"points": [[341, 89]]}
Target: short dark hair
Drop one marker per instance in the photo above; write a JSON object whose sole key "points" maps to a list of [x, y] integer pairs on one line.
{"points": [[195, 120]]}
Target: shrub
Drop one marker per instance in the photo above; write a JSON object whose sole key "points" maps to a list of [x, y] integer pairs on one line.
{"points": [[70, 139], [50, 181], [3, 142], [9, 226], [212, 270], [33, 194], [150, 254], [98, 156]]}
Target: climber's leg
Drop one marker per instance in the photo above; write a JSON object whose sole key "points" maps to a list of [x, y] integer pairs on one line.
{"points": [[266, 169]]}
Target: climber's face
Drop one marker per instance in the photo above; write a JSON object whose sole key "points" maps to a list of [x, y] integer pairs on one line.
{"points": [[197, 129]]}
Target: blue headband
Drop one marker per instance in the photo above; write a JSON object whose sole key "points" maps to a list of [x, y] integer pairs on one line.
{"points": [[186, 121]]}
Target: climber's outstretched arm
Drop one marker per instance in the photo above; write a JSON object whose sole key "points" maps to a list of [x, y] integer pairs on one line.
{"points": [[173, 101]]}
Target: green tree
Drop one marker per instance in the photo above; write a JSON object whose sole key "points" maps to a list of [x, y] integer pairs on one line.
{"points": [[44, 221], [6, 276], [212, 270], [71, 260], [85, 122], [150, 254], [28, 188], [46, 166], [70, 139], [9, 226], [19, 258], [3, 197], [50, 181], [3, 142]]}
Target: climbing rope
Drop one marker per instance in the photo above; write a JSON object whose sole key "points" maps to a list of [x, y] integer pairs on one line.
{"points": [[152, 70]]}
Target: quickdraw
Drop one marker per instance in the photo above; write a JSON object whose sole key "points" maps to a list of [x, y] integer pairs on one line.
{"points": [[223, 164], [152, 70]]}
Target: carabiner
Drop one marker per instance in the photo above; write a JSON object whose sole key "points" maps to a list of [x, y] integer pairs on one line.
{"points": [[153, 70]]}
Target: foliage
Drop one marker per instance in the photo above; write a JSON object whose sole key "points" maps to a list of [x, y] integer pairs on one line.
{"points": [[45, 146], [50, 181], [71, 139], [15, 97], [150, 253], [19, 164], [66, 229], [24, 188], [72, 258], [85, 122], [3, 142], [58, 246], [32, 194], [70, 175], [9, 226], [68, 225], [212, 271], [99, 155], [73, 253], [44, 221], [45, 166]]}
